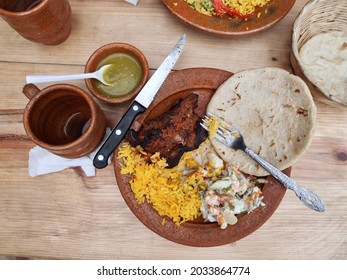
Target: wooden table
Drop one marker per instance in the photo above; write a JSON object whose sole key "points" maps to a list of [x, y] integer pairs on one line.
{"points": [[66, 215]]}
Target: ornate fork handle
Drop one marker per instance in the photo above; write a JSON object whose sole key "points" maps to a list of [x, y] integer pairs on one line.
{"points": [[309, 198]]}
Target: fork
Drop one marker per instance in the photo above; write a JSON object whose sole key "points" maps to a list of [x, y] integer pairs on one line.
{"points": [[230, 137]]}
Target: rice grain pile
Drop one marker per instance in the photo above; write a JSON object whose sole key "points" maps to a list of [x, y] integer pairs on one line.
{"points": [[168, 190]]}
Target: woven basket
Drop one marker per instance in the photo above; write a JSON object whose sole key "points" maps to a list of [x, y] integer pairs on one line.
{"points": [[318, 16]]}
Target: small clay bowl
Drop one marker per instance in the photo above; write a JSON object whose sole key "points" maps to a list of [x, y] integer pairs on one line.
{"points": [[97, 59]]}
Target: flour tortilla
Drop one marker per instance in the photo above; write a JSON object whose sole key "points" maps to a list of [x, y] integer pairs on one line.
{"points": [[273, 110], [324, 63]]}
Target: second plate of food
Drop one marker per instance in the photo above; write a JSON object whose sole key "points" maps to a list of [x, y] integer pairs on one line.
{"points": [[205, 15]]}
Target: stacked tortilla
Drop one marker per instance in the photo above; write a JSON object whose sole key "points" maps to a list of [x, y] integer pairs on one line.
{"points": [[324, 63]]}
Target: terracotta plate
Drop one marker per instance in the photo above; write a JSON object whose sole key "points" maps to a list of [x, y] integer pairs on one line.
{"points": [[204, 82], [268, 16]]}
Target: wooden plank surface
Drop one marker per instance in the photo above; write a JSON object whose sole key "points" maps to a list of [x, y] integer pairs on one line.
{"points": [[69, 216]]}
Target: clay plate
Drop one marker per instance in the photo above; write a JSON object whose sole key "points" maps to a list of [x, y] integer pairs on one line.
{"points": [[269, 15], [204, 82]]}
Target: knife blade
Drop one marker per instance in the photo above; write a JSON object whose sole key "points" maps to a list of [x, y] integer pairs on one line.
{"points": [[139, 105]]}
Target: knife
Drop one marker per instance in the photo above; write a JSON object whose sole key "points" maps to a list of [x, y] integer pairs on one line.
{"points": [[139, 105]]}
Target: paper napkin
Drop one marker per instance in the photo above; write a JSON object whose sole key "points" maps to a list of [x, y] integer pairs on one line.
{"points": [[134, 2], [42, 161]]}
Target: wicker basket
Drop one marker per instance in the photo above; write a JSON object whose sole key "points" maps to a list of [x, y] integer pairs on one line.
{"points": [[318, 16]]}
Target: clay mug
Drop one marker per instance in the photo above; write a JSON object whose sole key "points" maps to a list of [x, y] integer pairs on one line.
{"points": [[63, 119], [41, 21]]}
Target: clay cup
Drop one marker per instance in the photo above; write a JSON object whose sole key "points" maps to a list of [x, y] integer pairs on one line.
{"points": [[63, 119], [42, 21]]}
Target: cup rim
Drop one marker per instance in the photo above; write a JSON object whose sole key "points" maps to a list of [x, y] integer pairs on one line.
{"points": [[50, 90], [32, 10], [97, 56]]}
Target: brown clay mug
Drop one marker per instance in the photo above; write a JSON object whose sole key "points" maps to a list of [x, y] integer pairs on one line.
{"points": [[63, 119], [41, 21]]}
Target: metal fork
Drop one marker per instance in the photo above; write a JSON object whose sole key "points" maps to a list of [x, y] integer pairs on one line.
{"points": [[229, 136]]}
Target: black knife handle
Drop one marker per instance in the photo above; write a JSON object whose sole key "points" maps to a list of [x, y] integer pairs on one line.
{"points": [[117, 134]]}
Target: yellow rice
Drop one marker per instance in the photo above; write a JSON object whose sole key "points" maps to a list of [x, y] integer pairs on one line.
{"points": [[244, 7], [168, 190]]}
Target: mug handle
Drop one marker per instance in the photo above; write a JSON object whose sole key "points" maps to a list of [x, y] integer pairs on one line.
{"points": [[30, 90]]}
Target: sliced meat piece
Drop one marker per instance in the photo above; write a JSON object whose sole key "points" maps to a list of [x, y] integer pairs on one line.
{"points": [[174, 132]]}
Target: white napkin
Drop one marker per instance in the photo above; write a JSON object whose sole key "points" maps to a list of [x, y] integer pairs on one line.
{"points": [[134, 2], [42, 161]]}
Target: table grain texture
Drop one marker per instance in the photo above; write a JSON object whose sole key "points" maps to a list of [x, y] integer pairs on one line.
{"points": [[67, 215]]}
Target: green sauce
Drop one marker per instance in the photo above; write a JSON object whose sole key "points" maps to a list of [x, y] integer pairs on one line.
{"points": [[125, 75]]}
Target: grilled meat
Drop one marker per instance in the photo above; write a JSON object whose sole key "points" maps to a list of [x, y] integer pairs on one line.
{"points": [[174, 132]]}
